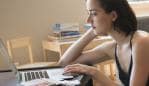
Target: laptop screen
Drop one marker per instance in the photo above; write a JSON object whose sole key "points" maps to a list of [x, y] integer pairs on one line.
{"points": [[3, 65]]}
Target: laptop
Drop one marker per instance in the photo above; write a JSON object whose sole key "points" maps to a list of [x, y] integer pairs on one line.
{"points": [[11, 76]]}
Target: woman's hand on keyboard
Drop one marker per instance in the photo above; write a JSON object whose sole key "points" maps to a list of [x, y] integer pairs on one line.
{"points": [[81, 68]]}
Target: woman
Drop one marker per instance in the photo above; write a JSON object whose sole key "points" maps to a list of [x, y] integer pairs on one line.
{"points": [[129, 47]]}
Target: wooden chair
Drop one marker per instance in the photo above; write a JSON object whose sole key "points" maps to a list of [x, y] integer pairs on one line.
{"points": [[25, 42], [108, 68]]}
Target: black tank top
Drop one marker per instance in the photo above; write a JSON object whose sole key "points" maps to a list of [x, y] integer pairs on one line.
{"points": [[123, 76]]}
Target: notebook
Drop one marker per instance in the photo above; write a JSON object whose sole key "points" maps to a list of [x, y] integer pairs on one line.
{"points": [[10, 76]]}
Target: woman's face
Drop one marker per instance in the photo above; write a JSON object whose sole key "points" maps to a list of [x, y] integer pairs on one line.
{"points": [[100, 20]]}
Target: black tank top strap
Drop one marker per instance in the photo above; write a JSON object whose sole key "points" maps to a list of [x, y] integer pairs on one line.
{"points": [[131, 42], [116, 59], [131, 59]]}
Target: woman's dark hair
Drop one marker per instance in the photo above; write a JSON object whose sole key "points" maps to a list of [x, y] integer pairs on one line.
{"points": [[126, 21]]}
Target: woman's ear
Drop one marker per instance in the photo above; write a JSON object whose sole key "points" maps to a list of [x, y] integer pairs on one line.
{"points": [[114, 15]]}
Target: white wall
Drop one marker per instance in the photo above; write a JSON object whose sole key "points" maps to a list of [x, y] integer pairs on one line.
{"points": [[141, 8], [33, 18]]}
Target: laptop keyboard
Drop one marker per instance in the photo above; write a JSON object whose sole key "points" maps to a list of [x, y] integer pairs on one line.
{"points": [[53, 74], [30, 75]]}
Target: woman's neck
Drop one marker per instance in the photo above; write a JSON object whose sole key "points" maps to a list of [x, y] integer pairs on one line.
{"points": [[120, 37]]}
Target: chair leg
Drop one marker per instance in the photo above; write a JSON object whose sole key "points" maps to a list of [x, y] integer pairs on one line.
{"points": [[30, 55]]}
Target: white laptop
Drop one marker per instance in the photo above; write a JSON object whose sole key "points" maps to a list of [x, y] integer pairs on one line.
{"points": [[10, 76]]}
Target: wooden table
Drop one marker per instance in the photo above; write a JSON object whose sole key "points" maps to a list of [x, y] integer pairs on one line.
{"points": [[61, 47]]}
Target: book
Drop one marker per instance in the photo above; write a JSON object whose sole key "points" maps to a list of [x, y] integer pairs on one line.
{"points": [[60, 27], [69, 33], [65, 32], [64, 38]]}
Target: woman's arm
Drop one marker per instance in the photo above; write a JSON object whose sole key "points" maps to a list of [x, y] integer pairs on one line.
{"points": [[76, 49], [100, 53], [140, 70]]}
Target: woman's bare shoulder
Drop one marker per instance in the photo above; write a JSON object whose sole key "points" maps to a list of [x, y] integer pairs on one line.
{"points": [[141, 37], [141, 47]]}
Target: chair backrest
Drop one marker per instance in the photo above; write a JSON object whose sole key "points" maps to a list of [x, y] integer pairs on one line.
{"points": [[143, 23], [24, 42]]}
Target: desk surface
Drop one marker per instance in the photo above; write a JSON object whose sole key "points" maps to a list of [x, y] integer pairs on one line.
{"points": [[38, 64]]}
